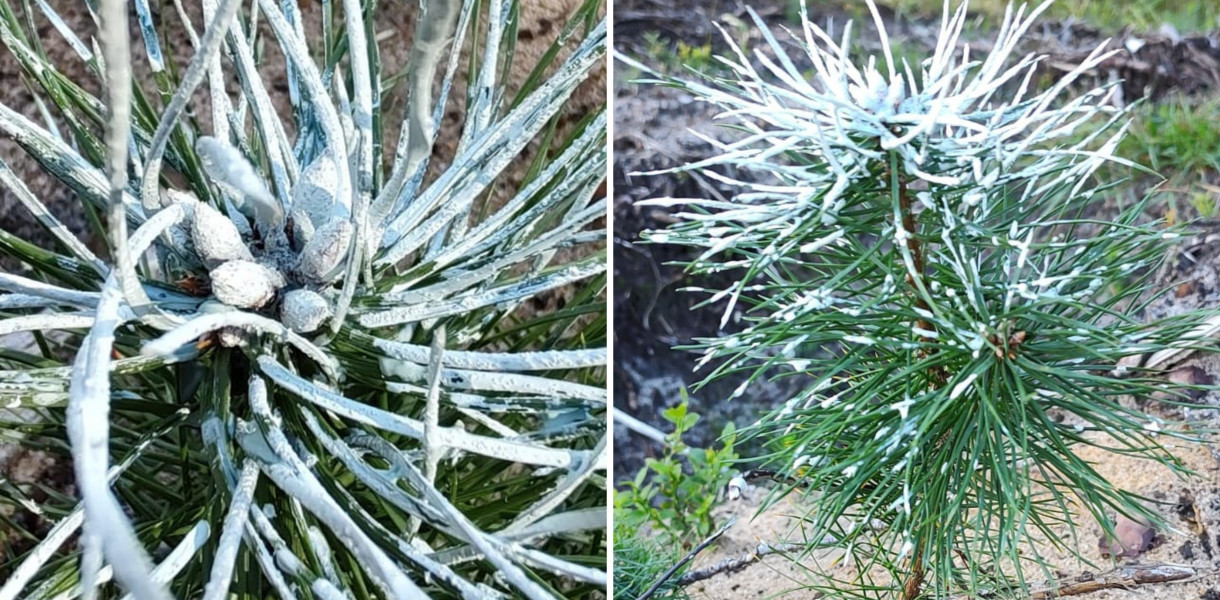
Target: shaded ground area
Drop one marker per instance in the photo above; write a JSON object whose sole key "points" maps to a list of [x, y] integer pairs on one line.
{"points": [[653, 314]]}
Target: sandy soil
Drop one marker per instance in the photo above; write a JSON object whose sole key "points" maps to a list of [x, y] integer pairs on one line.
{"points": [[1191, 507]]}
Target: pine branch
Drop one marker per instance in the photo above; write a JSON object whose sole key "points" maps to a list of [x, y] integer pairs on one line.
{"points": [[232, 289]]}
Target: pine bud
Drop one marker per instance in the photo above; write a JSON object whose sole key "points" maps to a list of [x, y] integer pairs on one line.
{"points": [[216, 238], [315, 192], [304, 311], [245, 284], [324, 254]]}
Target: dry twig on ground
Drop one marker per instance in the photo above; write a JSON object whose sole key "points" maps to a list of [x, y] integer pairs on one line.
{"points": [[737, 563], [685, 559]]}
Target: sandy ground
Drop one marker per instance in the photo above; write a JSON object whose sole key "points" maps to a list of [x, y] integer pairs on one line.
{"points": [[1191, 506]]}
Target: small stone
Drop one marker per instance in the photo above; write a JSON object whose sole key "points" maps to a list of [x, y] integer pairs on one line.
{"points": [[245, 284], [323, 256], [737, 487], [303, 311], [1191, 375], [1184, 376], [1127, 364], [216, 238], [1133, 537]]}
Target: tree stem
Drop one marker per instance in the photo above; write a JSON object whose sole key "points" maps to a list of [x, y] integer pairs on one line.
{"points": [[913, 245], [910, 590]]}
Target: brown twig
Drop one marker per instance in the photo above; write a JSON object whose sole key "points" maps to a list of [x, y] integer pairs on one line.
{"points": [[910, 590], [759, 474], [1125, 577], [685, 559], [1120, 578], [913, 246]]}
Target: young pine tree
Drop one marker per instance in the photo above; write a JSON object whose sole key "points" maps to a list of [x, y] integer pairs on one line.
{"points": [[929, 244]]}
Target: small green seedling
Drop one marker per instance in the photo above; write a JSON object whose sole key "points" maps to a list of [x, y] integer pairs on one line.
{"points": [[675, 494]]}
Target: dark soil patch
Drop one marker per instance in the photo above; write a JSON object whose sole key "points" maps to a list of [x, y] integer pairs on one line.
{"points": [[40, 474]]}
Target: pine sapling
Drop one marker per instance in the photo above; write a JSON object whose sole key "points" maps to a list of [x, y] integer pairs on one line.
{"points": [[928, 244]]}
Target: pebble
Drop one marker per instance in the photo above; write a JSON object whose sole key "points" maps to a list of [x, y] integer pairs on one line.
{"points": [[1191, 375], [1184, 376], [1133, 537]]}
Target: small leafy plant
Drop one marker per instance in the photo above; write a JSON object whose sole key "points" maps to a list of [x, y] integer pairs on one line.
{"points": [[672, 499], [311, 368], [929, 245]]}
